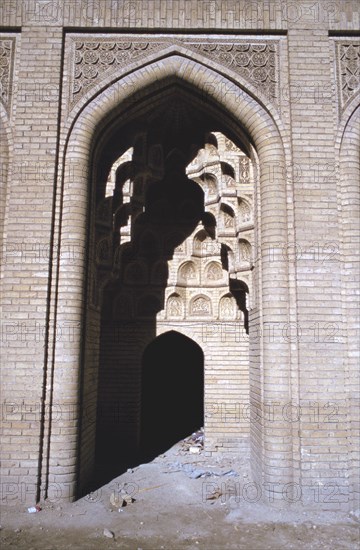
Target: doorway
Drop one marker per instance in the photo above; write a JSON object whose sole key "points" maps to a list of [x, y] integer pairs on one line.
{"points": [[172, 392]]}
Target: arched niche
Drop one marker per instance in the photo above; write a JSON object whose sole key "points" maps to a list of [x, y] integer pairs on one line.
{"points": [[188, 274], [228, 170], [227, 308], [200, 306], [245, 253], [203, 244], [227, 217], [245, 210], [211, 140], [175, 306], [214, 273]]}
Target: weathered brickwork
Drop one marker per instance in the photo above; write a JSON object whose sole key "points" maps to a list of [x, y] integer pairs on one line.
{"points": [[188, 167]]}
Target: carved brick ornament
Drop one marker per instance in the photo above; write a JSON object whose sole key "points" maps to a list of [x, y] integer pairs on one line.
{"points": [[227, 310], [174, 306], [200, 306], [348, 56], [214, 272], [7, 48], [93, 61]]}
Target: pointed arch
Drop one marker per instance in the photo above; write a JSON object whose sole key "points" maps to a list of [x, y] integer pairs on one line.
{"points": [[171, 53], [248, 123], [175, 306], [172, 367]]}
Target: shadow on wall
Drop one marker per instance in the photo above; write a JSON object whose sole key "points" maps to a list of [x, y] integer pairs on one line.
{"points": [[173, 209], [150, 390]]}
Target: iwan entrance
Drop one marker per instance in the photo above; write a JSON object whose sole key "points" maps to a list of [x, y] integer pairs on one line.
{"points": [[171, 280]]}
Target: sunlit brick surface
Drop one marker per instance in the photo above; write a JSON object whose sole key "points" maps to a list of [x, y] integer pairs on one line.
{"points": [[254, 106]]}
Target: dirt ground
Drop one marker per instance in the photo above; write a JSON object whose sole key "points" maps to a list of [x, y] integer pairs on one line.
{"points": [[181, 501]]}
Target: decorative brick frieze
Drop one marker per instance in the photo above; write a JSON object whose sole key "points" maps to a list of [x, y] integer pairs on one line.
{"points": [[93, 59], [7, 49], [348, 65]]}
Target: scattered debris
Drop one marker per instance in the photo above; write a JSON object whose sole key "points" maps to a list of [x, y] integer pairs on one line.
{"points": [[116, 500], [34, 509], [109, 534], [214, 495], [93, 496], [128, 499], [194, 443], [194, 473], [120, 499]]}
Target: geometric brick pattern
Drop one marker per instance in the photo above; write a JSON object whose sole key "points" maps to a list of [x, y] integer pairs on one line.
{"points": [[97, 59], [7, 47], [348, 61]]}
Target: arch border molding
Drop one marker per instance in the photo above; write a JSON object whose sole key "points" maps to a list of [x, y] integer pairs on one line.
{"points": [[249, 116]]}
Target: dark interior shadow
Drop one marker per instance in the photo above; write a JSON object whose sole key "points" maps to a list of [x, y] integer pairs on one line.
{"points": [[172, 392], [239, 290], [172, 208], [149, 390]]}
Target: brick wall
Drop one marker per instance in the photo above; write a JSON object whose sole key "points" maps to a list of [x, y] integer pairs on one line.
{"points": [[305, 275]]}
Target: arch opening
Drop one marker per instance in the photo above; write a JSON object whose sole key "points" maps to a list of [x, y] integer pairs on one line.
{"points": [[106, 129], [172, 403], [168, 266]]}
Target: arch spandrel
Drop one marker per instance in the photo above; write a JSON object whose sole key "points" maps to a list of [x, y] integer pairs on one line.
{"points": [[183, 69], [104, 72]]}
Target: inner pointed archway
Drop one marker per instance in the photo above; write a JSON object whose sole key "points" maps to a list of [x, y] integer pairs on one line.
{"points": [[177, 205], [172, 392]]}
